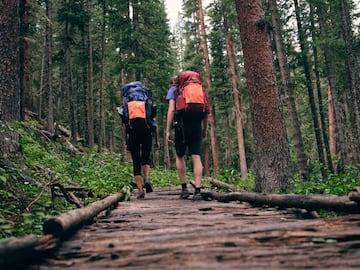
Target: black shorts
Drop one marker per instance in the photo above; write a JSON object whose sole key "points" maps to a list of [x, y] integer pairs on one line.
{"points": [[188, 135]]}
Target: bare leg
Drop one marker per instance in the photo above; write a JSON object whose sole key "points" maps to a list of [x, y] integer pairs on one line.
{"points": [[139, 183], [181, 168], [147, 182], [146, 170], [198, 169]]}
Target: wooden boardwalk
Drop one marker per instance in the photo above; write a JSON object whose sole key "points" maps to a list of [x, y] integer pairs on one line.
{"points": [[164, 232]]}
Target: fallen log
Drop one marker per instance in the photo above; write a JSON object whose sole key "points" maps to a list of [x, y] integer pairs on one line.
{"points": [[19, 250], [66, 222], [354, 195], [309, 202]]}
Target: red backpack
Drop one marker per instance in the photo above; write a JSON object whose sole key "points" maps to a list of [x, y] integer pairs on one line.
{"points": [[191, 96]]}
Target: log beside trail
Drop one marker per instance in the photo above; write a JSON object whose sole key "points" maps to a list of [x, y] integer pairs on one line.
{"points": [[18, 251], [71, 220], [354, 195], [309, 202]]}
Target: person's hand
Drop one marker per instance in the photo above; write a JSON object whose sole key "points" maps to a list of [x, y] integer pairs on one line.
{"points": [[168, 137], [204, 134], [126, 147], [156, 145]]}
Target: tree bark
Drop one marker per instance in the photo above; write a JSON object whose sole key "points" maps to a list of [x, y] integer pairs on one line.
{"points": [[332, 125], [10, 94], [272, 157], [90, 82], [49, 73], [102, 131], [352, 66]]}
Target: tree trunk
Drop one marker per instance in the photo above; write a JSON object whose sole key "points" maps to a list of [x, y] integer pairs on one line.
{"points": [[288, 89], [332, 125], [238, 111], [272, 157], [318, 88], [90, 82], [24, 55], [49, 73], [305, 63], [338, 126], [102, 79], [351, 62], [68, 82], [10, 94], [214, 143]]}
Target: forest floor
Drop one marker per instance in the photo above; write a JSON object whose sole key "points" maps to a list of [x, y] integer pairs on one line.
{"points": [[164, 232]]}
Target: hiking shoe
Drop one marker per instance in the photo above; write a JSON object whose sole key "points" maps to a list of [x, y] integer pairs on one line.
{"points": [[184, 194], [197, 197], [148, 186], [141, 195]]}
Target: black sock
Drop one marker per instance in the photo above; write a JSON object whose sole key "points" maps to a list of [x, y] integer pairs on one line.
{"points": [[183, 186], [197, 190]]}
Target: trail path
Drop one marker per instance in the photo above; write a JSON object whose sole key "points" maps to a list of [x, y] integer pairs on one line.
{"points": [[164, 232]]}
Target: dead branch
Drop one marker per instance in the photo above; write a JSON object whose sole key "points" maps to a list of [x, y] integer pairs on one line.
{"points": [[69, 196], [34, 201], [64, 131], [30, 115]]}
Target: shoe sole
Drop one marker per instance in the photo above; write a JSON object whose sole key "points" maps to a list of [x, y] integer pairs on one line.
{"points": [[184, 196], [148, 187], [141, 196]]}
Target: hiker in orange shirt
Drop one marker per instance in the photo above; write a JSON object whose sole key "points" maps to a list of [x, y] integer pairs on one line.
{"points": [[190, 126]]}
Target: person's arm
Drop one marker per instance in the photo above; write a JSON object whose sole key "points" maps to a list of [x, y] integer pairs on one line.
{"points": [[169, 119], [204, 127], [124, 136], [157, 144]]}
